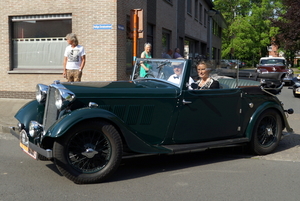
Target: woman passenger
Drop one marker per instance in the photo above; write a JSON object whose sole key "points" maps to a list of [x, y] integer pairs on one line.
{"points": [[205, 81]]}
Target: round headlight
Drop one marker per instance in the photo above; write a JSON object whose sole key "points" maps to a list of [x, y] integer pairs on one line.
{"points": [[41, 93], [63, 97], [35, 128]]}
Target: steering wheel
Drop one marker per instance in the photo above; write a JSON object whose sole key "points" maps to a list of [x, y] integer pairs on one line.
{"points": [[149, 76]]}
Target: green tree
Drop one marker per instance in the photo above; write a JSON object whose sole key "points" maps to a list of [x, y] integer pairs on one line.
{"points": [[249, 27], [288, 23]]}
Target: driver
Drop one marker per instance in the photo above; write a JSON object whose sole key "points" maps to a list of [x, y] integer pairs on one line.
{"points": [[177, 76]]}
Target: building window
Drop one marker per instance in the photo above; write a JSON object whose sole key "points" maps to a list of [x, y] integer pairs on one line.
{"points": [[189, 6], [200, 13], [38, 42], [166, 38], [215, 27], [205, 18], [196, 10], [150, 37]]}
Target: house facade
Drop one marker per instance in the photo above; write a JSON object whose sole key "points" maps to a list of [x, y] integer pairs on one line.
{"points": [[33, 37]]}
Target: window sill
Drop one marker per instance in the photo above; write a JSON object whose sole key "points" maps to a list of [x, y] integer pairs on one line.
{"points": [[35, 71]]}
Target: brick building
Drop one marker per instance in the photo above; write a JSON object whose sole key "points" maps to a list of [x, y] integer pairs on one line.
{"points": [[33, 37]]}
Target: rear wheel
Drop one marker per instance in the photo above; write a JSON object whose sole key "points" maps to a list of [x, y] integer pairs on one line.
{"points": [[266, 133], [89, 152]]}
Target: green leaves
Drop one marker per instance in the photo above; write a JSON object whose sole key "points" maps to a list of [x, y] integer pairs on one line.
{"points": [[249, 27]]}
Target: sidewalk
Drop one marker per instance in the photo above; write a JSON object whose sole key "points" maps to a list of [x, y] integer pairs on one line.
{"points": [[9, 108]]}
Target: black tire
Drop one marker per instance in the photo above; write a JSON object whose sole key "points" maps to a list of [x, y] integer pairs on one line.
{"points": [[42, 158], [89, 152], [266, 133]]}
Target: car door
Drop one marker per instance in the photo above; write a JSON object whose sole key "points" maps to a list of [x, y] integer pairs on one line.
{"points": [[208, 115]]}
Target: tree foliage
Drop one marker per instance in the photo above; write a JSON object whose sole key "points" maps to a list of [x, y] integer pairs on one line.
{"points": [[249, 29], [288, 23]]}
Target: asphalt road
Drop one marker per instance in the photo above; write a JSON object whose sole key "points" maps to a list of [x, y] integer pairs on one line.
{"points": [[221, 174]]}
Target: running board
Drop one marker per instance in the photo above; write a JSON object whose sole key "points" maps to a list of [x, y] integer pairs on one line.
{"points": [[179, 148], [194, 147]]}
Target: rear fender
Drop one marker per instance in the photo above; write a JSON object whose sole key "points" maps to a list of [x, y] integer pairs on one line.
{"points": [[260, 110], [132, 140]]}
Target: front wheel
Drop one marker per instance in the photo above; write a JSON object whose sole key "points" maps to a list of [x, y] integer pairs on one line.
{"points": [[266, 133], [89, 152]]}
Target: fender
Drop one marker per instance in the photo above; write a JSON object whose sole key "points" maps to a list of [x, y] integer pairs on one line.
{"points": [[30, 111], [71, 119], [260, 110]]}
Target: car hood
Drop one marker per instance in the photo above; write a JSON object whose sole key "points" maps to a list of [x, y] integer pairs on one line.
{"points": [[273, 67], [123, 89]]}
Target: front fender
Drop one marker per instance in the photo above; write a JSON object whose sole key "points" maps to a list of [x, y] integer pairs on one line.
{"points": [[71, 119], [30, 111], [260, 110]]}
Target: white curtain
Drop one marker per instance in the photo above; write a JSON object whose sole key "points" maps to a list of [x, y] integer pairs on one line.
{"points": [[38, 53]]}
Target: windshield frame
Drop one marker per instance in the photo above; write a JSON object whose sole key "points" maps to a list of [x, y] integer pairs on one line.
{"points": [[161, 70]]}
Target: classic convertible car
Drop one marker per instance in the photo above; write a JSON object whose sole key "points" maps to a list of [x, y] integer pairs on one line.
{"points": [[86, 128]]}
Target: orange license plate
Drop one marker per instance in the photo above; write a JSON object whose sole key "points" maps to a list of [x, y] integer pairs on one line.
{"points": [[24, 144]]}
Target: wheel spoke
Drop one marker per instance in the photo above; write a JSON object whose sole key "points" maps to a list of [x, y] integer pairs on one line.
{"points": [[267, 130], [86, 141]]}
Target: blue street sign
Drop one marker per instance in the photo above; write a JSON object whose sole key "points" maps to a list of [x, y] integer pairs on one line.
{"points": [[102, 26]]}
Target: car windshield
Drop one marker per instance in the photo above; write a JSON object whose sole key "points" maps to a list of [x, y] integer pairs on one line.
{"points": [[171, 70], [273, 61]]}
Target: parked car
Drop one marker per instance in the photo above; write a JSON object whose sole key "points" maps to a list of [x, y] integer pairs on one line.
{"points": [[238, 63], [275, 65], [225, 64], [86, 128], [296, 86]]}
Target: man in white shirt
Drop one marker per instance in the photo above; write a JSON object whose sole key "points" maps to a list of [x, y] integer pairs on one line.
{"points": [[74, 60], [177, 76]]}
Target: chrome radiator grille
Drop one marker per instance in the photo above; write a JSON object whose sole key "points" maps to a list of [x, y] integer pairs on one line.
{"points": [[51, 112]]}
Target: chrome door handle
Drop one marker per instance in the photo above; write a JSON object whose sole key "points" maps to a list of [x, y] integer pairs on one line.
{"points": [[186, 102]]}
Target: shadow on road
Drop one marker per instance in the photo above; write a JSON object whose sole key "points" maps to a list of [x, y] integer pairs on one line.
{"points": [[131, 168], [145, 166], [288, 142]]}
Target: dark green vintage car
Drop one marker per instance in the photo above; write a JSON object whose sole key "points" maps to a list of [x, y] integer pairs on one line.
{"points": [[86, 128]]}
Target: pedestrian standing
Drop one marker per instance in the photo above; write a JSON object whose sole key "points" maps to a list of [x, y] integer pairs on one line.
{"points": [[145, 67], [74, 59], [168, 55], [177, 53]]}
